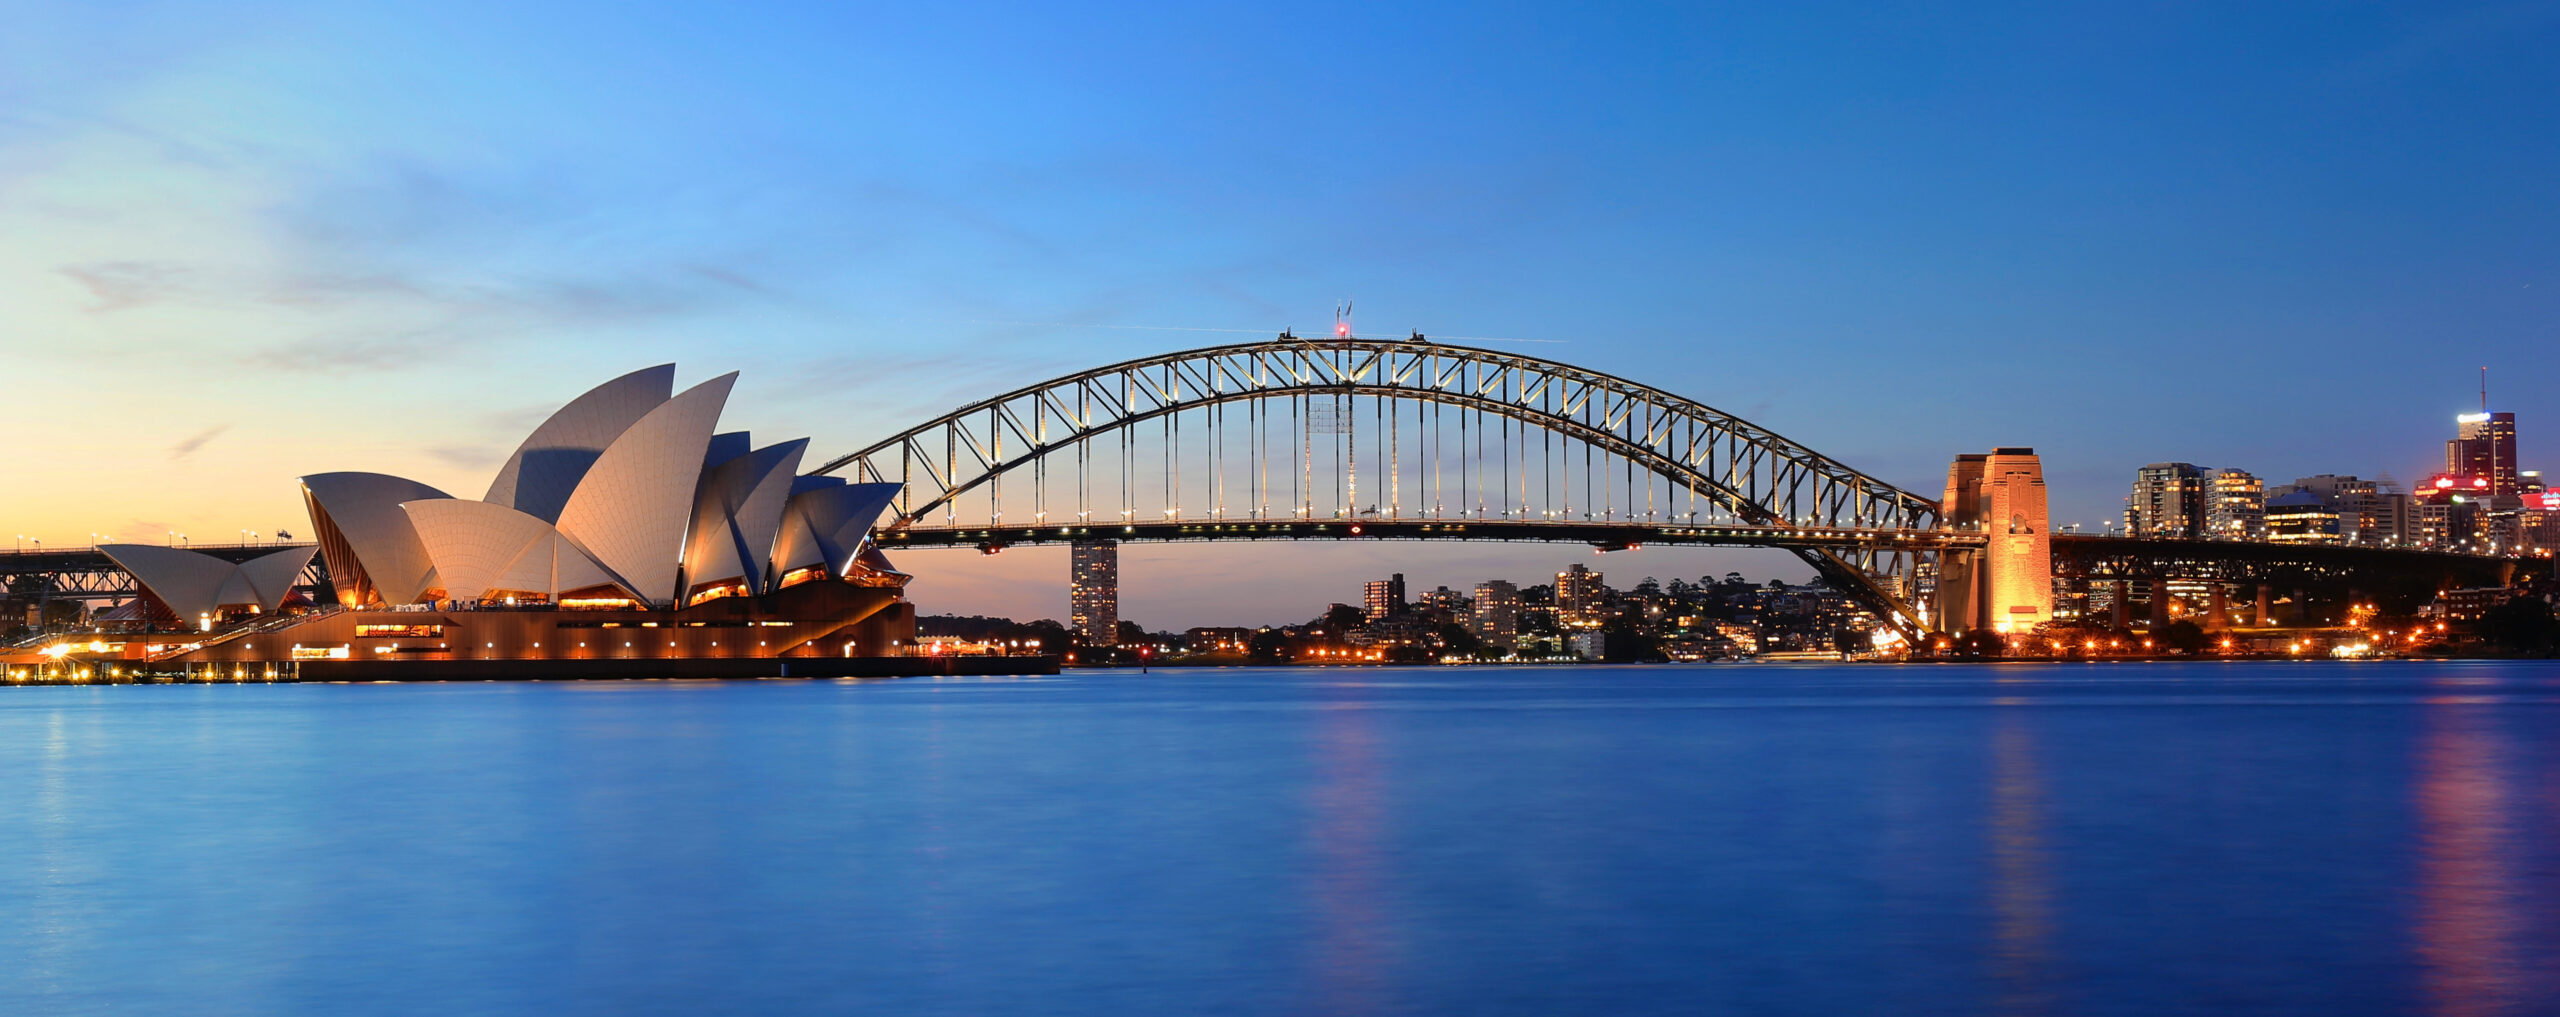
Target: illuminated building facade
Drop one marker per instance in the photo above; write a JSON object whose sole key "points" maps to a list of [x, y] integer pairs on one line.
{"points": [[1444, 603], [2168, 500], [1495, 619], [2235, 505], [2370, 512], [2301, 517], [1582, 600], [1093, 592], [1381, 599], [2008, 585], [2484, 445]]}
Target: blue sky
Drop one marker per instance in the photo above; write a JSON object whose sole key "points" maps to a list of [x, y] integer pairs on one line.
{"points": [[243, 242]]}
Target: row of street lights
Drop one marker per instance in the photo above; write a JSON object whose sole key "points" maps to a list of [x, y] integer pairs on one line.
{"points": [[173, 537]]}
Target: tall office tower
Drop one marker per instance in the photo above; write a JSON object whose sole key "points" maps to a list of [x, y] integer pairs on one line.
{"points": [[1496, 619], [1383, 598], [2008, 585], [1093, 592], [1581, 598], [2484, 445], [2235, 505], [2167, 501]]}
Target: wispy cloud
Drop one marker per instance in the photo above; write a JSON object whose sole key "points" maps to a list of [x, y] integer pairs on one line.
{"points": [[469, 457], [189, 447], [339, 354], [122, 285], [733, 279]]}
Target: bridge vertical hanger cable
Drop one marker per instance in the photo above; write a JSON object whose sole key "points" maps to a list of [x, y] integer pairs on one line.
{"points": [[1349, 488]]}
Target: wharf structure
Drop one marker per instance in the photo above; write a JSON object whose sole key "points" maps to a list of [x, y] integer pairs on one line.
{"points": [[626, 537]]}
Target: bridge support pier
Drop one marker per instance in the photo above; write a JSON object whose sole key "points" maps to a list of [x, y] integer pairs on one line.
{"points": [[2122, 609], [2008, 585], [2159, 603], [2265, 611], [2219, 617]]}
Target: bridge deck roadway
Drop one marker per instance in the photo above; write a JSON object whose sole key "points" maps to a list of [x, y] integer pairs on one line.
{"points": [[87, 559], [1604, 535]]}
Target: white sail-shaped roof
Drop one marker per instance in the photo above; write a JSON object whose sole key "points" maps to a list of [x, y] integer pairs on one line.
{"points": [[726, 446], [483, 550], [366, 539], [825, 525], [271, 576], [543, 473], [193, 583], [737, 513], [632, 507]]}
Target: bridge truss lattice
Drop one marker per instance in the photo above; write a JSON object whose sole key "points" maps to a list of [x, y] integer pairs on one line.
{"points": [[1428, 437]]}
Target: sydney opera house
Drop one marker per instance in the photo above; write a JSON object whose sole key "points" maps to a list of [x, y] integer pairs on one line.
{"points": [[626, 527]]}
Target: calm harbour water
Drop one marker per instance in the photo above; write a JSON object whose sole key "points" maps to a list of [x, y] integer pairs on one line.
{"points": [[2311, 838]]}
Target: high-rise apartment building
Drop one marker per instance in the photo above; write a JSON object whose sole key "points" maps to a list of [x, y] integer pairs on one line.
{"points": [[1093, 592], [2168, 500], [2484, 445], [2235, 505], [1442, 601], [1581, 598], [1496, 618], [1383, 598]]}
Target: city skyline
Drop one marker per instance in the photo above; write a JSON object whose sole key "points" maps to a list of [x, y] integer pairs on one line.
{"points": [[239, 257]]}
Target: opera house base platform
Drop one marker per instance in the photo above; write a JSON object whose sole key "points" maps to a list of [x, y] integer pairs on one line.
{"points": [[93, 672], [824, 629], [575, 670]]}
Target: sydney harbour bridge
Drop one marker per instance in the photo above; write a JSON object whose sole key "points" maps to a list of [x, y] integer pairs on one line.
{"points": [[1346, 438]]}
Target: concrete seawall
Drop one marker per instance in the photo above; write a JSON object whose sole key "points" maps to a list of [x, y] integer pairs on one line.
{"points": [[767, 667]]}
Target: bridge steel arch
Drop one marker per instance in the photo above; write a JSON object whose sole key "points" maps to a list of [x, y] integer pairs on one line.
{"points": [[1739, 468]]}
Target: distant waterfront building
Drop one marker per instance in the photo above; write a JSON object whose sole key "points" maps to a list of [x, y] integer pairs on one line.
{"points": [[2168, 500], [2537, 525], [2301, 517], [2452, 522], [2235, 505], [2370, 512], [1445, 602], [2484, 445], [1581, 598], [1382, 599], [1217, 639], [1496, 618], [2384, 518], [1093, 592]]}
